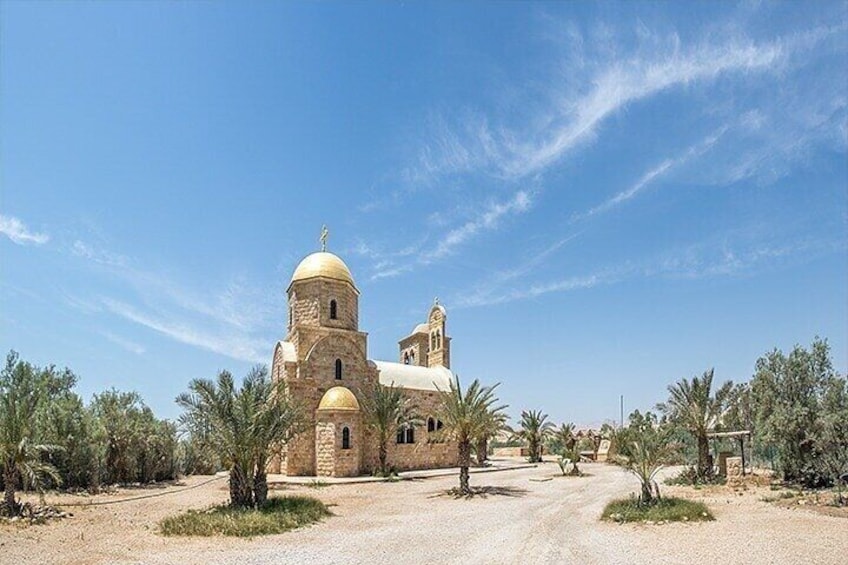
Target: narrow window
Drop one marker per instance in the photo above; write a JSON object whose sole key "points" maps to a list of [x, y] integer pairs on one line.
{"points": [[410, 434], [406, 358], [439, 425], [401, 436], [431, 425], [333, 314], [412, 357], [338, 369], [345, 438], [291, 316]]}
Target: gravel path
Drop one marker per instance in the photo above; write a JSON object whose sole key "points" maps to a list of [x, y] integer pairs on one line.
{"points": [[521, 521]]}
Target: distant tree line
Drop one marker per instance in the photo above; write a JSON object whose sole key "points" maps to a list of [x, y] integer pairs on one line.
{"points": [[49, 437]]}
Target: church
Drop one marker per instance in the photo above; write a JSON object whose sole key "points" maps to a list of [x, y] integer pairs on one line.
{"points": [[324, 362]]}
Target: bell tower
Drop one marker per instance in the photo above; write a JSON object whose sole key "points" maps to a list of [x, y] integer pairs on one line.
{"points": [[439, 354]]}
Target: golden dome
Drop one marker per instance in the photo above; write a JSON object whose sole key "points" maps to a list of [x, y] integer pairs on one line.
{"points": [[323, 264], [338, 398]]}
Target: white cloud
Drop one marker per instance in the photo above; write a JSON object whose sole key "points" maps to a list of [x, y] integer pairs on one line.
{"points": [[97, 255], [127, 344], [235, 346], [17, 231], [731, 255], [487, 220], [590, 87], [653, 174]]}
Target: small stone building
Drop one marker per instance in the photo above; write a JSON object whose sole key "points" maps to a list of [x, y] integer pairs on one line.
{"points": [[324, 361]]}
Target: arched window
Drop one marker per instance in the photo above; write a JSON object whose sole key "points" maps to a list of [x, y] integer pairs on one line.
{"points": [[433, 341], [431, 425], [439, 425], [406, 358], [338, 369], [345, 438], [333, 308], [406, 434], [412, 357], [438, 339]]}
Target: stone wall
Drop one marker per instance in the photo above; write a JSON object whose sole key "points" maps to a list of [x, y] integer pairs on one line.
{"points": [[428, 451], [331, 460], [309, 304], [416, 344]]}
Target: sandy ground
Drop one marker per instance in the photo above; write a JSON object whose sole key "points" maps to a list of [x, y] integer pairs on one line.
{"points": [[553, 521]]}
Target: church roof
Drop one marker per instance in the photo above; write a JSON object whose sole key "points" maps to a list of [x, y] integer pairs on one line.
{"points": [[421, 329], [323, 264], [338, 398], [413, 376]]}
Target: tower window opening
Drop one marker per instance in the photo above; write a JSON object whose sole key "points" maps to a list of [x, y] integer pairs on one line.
{"points": [[412, 357], [406, 434], [431, 425], [345, 438], [338, 369], [406, 358], [333, 310]]}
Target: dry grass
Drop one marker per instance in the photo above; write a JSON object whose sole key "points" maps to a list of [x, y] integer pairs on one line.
{"points": [[278, 515]]}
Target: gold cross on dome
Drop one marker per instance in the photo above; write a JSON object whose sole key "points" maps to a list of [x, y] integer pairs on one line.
{"points": [[325, 233]]}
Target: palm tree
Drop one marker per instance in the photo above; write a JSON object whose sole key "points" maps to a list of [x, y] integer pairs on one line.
{"points": [[385, 409], [495, 423], [241, 426], [535, 428], [564, 435], [646, 448], [276, 420], [465, 415], [20, 458], [692, 406]]}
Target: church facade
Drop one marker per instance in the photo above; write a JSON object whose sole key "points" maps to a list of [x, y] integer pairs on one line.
{"points": [[324, 362]]}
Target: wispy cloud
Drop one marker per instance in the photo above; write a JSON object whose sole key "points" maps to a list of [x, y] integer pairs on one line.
{"points": [[486, 220], [238, 320], [575, 117], [394, 263], [18, 232], [561, 285], [98, 255], [127, 344], [653, 174], [707, 259], [486, 292], [235, 346]]}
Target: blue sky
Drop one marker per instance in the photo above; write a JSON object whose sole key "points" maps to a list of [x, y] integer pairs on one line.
{"points": [[607, 198]]}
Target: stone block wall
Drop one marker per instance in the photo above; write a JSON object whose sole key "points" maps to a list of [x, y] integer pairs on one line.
{"points": [[428, 452], [309, 304], [331, 460]]}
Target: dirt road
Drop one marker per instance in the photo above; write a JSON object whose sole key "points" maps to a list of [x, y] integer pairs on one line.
{"points": [[521, 521]]}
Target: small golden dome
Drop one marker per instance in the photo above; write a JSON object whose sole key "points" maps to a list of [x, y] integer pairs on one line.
{"points": [[338, 398], [323, 264]]}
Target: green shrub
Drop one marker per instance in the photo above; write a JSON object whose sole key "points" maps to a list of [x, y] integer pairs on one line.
{"points": [[660, 510], [277, 515], [689, 477]]}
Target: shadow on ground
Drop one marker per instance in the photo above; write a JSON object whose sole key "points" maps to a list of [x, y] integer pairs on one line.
{"points": [[484, 492]]}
